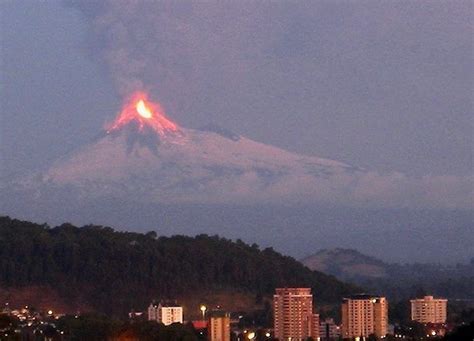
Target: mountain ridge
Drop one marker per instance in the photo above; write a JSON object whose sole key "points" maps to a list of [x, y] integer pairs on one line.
{"points": [[113, 271], [346, 263], [398, 281]]}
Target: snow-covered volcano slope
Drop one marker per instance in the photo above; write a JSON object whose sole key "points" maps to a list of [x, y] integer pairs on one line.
{"points": [[195, 165]]}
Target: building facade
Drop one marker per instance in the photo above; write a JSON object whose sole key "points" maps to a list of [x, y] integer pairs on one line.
{"points": [[218, 326], [429, 309], [363, 315], [329, 330], [166, 313], [293, 314]]}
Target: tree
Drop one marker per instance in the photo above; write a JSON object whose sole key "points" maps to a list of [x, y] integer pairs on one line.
{"points": [[371, 337], [114, 272], [464, 332]]}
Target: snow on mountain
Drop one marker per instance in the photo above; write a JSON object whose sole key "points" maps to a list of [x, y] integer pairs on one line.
{"points": [[193, 165], [143, 156]]}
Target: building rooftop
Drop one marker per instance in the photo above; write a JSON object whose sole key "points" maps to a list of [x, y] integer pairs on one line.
{"points": [[165, 303], [361, 297], [428, 298], [218, 313]]}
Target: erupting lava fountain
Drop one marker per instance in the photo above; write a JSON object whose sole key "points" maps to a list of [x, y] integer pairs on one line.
{"points": [[145, 113]]}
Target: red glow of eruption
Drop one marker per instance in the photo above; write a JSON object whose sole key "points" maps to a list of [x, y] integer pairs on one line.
{"points": [[144, 112]]}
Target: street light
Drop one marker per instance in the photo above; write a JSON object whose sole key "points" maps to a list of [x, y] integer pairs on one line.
{"points": [[203, 311]]}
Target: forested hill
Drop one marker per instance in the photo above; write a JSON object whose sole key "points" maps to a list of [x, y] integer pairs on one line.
{"points": [[115, 271]]}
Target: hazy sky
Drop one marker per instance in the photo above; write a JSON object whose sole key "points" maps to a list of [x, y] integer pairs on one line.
{"points": [[382, 85]]}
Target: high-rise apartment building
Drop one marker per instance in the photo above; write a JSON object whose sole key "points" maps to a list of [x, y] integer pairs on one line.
{"points": [[429, 309], [166, 313], [293, 314], [218, 326], [363, 315]]}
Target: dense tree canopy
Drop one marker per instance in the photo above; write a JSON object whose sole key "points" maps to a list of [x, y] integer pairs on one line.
{"points": [[114, 271]]}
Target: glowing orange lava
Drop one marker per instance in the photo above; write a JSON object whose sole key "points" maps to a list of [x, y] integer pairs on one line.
{"points": [[144, 112]]}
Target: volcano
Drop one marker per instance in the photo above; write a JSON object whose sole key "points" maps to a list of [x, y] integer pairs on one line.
{"points": [[145, 114], [144, 172], [145, 157]]}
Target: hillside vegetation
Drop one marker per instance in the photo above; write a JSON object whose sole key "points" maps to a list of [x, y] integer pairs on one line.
{"points": [[113, 271]]}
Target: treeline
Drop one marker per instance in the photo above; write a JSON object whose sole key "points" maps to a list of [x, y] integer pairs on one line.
{"points": [[96, 327], [116, 271]]}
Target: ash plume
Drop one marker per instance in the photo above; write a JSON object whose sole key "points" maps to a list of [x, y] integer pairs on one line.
{"points": [[168, 48]]}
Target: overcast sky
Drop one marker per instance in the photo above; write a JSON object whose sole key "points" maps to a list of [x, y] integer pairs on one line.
{"points": [[381, 85]]}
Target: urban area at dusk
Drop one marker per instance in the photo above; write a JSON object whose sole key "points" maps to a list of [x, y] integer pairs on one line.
{"points": [[236, 170]]}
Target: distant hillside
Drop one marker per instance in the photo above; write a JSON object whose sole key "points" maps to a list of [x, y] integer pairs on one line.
{"points": [[346, 263], [97, 268], [398, 281]]}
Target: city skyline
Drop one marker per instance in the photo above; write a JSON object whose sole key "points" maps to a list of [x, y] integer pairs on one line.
{"points": [[236, 171], [295, 318]]}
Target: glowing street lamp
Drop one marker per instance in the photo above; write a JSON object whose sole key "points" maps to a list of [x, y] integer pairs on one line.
{"points": [[203, 311]]}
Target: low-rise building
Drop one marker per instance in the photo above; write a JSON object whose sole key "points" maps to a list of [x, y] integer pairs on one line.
{"points": [[165, 312], [329, 330]]}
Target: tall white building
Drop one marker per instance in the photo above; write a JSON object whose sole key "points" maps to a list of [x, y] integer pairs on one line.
{"points": [[429, 309], [363, 315], [165, 313], [218, 327], [293, 314]]}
